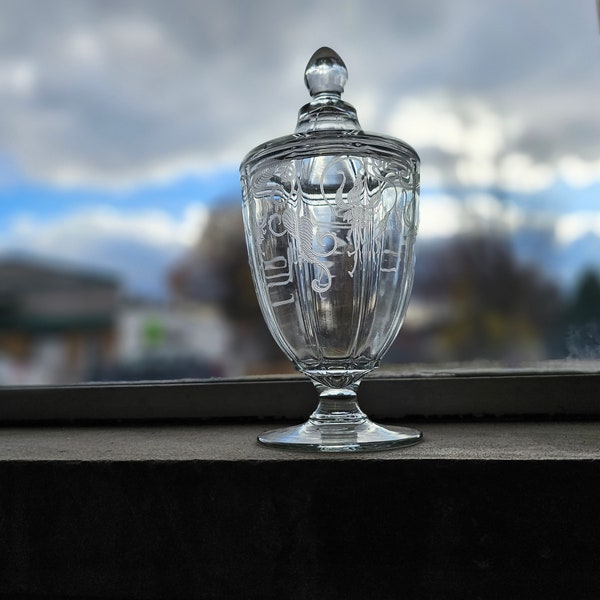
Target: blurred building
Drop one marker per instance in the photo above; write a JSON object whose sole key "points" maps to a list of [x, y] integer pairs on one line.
{"points": [[55, 322], [164, 342]]}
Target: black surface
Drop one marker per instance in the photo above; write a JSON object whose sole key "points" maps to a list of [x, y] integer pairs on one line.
{"points": [[300, 529]]}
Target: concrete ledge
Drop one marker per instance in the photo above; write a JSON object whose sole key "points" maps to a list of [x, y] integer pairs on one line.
{"points": [[480, 510], [237, 442]]}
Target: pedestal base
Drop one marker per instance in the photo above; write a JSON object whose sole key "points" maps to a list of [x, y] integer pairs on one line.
{"points": [[365, 436]]}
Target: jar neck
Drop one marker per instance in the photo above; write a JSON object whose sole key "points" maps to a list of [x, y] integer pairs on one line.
{"points": [[327, 111]]}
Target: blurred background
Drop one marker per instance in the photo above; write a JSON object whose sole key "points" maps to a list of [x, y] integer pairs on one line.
{"points": [[122, 125]]}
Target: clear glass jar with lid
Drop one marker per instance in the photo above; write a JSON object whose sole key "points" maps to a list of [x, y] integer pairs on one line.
{"points": [[331, 216]]}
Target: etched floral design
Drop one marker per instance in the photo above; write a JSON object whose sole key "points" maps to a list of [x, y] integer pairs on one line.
{"points": [[301, 230], [360, 220]]}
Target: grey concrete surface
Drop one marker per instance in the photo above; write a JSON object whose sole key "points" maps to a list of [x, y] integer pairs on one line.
{"points": [[237, 442], [477, 511]]}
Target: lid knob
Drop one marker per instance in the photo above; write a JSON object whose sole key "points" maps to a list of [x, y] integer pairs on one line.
{"points": [[325, 72]]}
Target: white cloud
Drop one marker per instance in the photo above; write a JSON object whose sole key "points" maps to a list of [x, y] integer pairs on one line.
{"points": [[466, 143], [17, 77], [455, 125], [439, 216], [473, 171], [67, 175], [444, 215], [70, 234], [569, 228], [138, 246], [425, 125], [518, 172], [85, 47], [111, 96], [578, 172]]}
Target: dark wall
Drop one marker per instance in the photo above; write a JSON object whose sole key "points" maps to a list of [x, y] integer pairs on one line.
{"points": [[323, 529]]}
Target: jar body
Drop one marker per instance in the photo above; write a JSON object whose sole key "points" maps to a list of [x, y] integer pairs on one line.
{"points": [[331, 246]]}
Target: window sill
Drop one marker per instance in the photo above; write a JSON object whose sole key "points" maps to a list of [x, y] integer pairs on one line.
{"points": [[152, 491], [478, 510], [211, 442]]}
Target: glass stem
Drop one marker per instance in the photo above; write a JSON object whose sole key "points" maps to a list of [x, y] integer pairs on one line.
{"points": [[337, 406]]}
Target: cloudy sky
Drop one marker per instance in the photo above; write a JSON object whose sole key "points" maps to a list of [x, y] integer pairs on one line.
{"points": [[122, 121]]}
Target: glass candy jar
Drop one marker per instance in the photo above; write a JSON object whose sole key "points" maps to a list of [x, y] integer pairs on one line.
{"points": [[331, 215]]}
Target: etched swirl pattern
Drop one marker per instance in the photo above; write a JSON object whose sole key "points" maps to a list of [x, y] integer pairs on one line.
{"points": [[331, 249]]}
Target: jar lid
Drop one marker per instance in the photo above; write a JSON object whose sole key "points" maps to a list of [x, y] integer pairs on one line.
{"points": [[328, 125], [325, 77]]}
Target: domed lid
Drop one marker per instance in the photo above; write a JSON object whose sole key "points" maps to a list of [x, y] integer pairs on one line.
{"points": [[328, 124]]}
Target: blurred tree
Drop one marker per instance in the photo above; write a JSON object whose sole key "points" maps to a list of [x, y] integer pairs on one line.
{"points": [[217, 272], [582, 318], [585, 303], [500, 309]]}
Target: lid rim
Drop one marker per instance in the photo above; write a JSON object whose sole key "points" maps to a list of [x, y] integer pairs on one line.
{"points": [[328, 142]]}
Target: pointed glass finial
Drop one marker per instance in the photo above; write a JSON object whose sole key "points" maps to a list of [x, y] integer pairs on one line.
{"points": [[325, 72]]}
